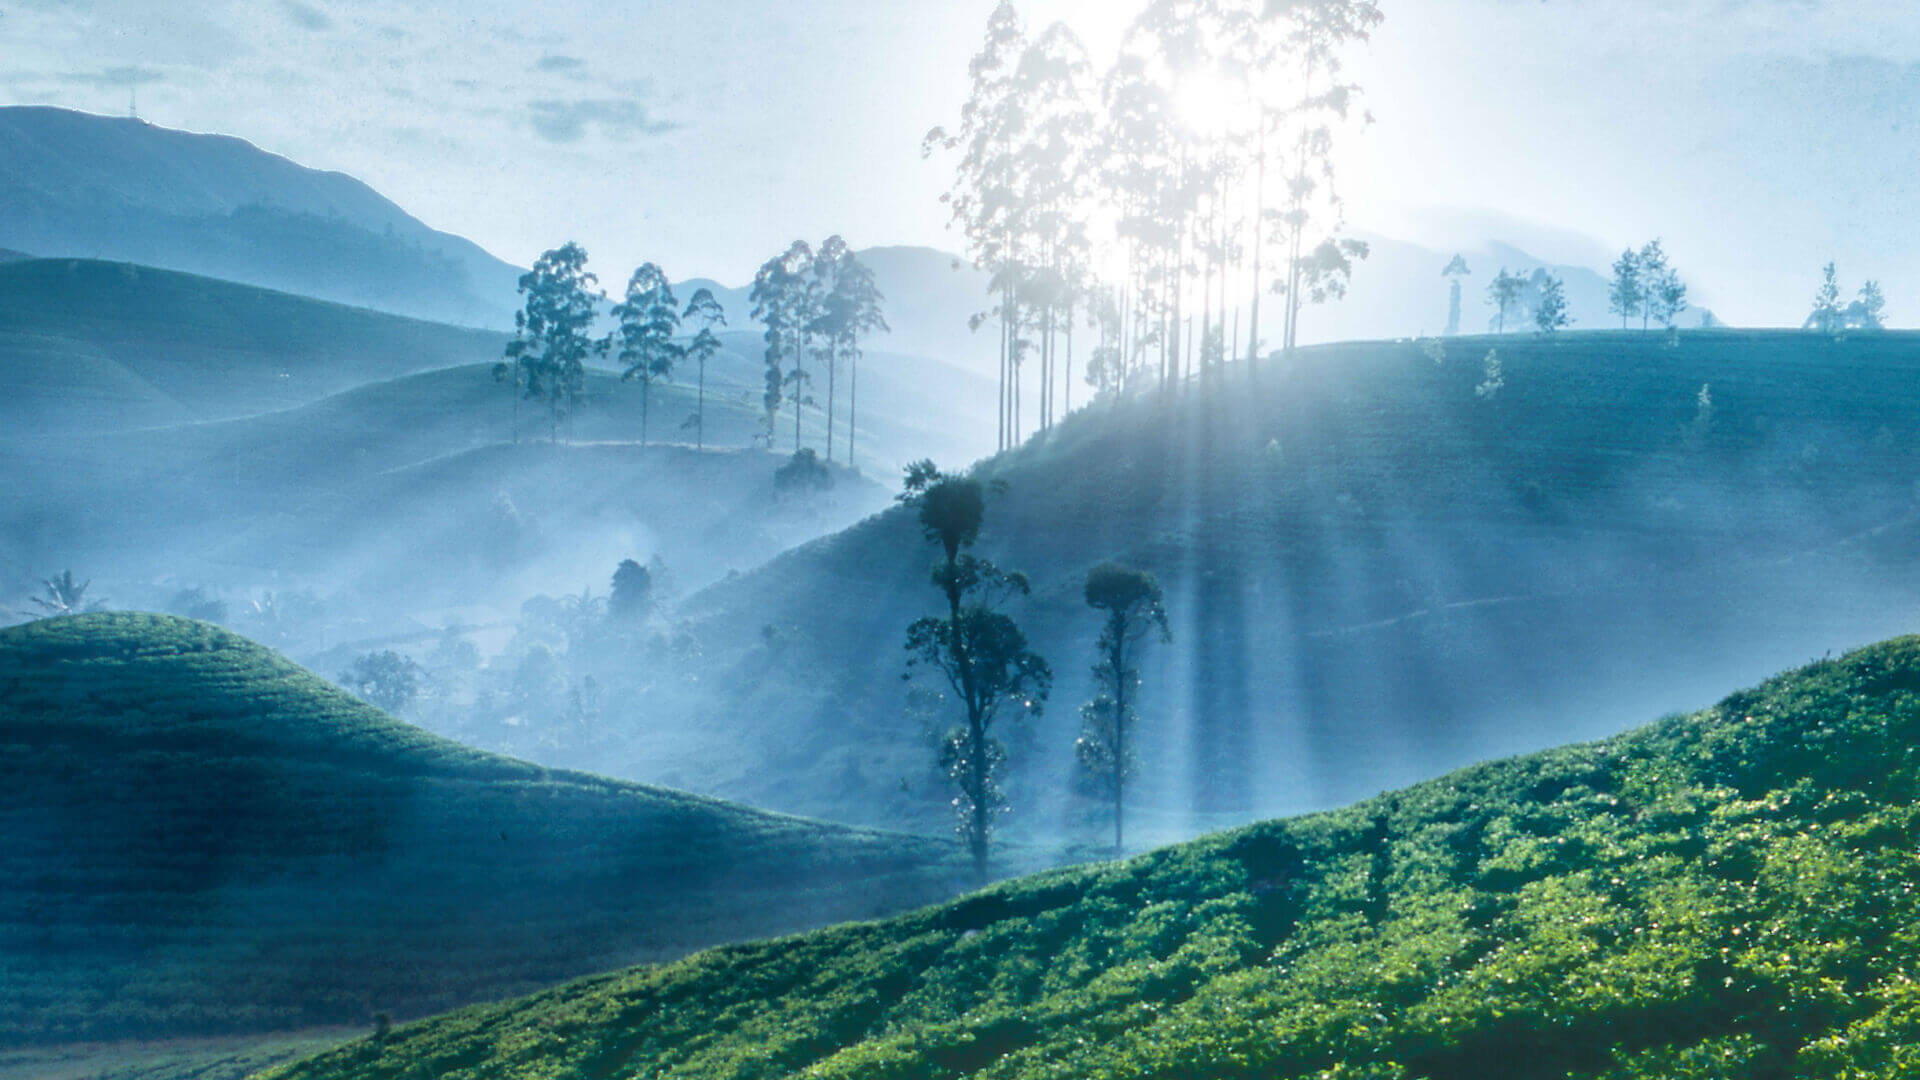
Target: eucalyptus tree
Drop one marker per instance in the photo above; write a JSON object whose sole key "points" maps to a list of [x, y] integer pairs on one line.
{"points": [[978, 651], [1871, 306], [1550, 312], [1134, 611], [1503, 292], [784, 296], [546, 360], [704, 308], [985, 199], [1456, 269], [648, 319], [1828, 317], [849, 311], [1652, 261], [1626, 292]]}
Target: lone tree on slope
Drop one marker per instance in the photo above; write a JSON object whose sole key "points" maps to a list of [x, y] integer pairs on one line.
{"points": [[648, 318], [546, 359], [701, 349], [1625, 294], [1453, 273], [1132, 601], [1503, 292], [977, 649], [1827, 317], [1550, 313]]}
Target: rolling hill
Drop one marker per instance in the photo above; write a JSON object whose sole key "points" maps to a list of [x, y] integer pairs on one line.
{"points": [[116, 188], [1730, 894], [1370, 569], [204, 838], [92, 347]]}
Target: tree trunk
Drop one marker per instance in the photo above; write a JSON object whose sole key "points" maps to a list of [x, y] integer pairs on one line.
{"points": [[700, 410], [853, 398], [646, 386]]}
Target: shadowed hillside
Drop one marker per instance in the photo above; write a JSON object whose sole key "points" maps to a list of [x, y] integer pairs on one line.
{"points": [[95, 346], [202, 837], [1370, 569], [105, 187], [1729, 894]]}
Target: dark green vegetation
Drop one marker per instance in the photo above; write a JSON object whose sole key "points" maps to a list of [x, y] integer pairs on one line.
{"points": [[202, 837], [1369, 569], [1729, 894], [118, 188]]}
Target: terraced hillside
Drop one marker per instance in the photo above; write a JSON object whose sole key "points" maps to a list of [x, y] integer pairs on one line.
{"points": [[1732, 894], [203, 838], [1371, 570]]}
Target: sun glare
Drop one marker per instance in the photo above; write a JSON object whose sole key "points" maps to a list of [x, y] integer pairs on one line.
{"points": [[1209, 104]]}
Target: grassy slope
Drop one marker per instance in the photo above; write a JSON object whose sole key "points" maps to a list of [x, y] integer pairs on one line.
{"points": [[1730, 894], [95, 346], [202, 837], [1371, 569]]}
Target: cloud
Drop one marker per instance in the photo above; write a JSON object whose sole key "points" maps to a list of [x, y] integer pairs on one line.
{"points": [[115, 76], [562, 64], [617, 118], [306, 17]]}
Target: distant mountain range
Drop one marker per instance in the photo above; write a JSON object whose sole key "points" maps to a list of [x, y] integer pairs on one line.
{"points": [[75, 184], [121, 189]]}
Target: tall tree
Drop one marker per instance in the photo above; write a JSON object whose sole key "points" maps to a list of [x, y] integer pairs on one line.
{"points": [[649, 317], [1626, 292], [783, 297], [1455, 270], [1550, 311], [1827, 316], [985, 199], [1872, 307], [1653, 275], [708, 312], [978, 650], [547, 357], [849, 311], [1666, 295], [1503, 292], [1132, 602]]}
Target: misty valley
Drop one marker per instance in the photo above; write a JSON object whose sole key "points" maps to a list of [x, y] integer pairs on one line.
{"points": [[1167, 589]]}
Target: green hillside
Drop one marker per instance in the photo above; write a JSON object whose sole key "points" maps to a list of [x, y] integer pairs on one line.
{"points": [[1732, 894], [203, 838], [1371, 570], [93, 346]]}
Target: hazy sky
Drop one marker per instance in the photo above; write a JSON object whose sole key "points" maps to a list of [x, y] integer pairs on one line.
{"points": [[1759, 138]]}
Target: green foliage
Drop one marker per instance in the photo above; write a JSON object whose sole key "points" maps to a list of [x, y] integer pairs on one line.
{"points": [[647, 318], [803, 472], [386, 680], [1730, 894], [546, 360], [203, 838]]}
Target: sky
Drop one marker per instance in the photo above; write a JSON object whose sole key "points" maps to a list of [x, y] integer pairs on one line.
{"points": [[1757, 138]]}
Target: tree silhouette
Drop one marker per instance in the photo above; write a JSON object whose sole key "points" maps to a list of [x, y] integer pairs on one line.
{"points": [[704, 308], [59, 596], [546, 359], [849, 310], [1827, 316], [1132, 602], [648, 319], [979, 651], [1455, 270], [1625, 293], [1503, 292], [1872, 307], [784, 299], [1550, 311]]}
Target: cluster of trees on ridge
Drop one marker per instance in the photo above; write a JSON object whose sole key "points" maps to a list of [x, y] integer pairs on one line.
{"points": [[1196, 170], [813, 304], [983, 658], [1867, 312]]}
